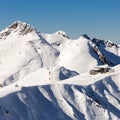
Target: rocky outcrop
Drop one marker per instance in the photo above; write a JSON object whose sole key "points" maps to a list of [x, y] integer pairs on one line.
{"points": [[85, 36], [101, 70], [106, 43], [20, 28], [105, 51], [100, 55], [60, 32], [94, 44]]}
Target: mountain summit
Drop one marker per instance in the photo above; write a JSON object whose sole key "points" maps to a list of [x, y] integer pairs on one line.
{"points": [[52, 77], [20, 27]]}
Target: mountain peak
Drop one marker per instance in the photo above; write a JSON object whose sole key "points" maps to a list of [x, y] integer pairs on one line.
{"points": [[16, 24], [21, 28], [61, 32]]}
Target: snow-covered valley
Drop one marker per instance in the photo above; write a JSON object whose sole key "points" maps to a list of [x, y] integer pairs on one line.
{"points": [[47, 76]]}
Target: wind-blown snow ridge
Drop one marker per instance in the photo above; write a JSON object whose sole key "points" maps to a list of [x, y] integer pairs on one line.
{"points": [[47, 76]]}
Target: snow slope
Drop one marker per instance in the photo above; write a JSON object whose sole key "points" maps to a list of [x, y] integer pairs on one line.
{"points": [[27, 52], [46, 76]]}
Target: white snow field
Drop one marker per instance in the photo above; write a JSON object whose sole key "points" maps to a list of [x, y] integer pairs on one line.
{"points": [[47, 76]]}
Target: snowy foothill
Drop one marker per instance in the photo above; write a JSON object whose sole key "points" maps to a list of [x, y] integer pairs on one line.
{"points": [[47, 76]]}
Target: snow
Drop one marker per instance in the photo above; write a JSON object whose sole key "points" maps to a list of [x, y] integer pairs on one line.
{"points": [[46, 76], [77, 51], [40, 77], [8, 89]]}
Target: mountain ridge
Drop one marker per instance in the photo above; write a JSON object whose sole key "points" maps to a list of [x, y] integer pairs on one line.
{"points": [[47, 76]]}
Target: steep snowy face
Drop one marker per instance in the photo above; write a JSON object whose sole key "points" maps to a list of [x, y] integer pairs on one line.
{"points": [[58, 39], [83, 51], [110, 50], [23, 51], [78, 53], [83, 97]]}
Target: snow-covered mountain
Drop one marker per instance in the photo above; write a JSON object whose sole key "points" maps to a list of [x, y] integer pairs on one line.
{"points": [[46, 76]]}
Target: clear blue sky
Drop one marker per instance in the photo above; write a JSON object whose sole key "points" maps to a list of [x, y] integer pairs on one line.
{"points": [[97, 18]]}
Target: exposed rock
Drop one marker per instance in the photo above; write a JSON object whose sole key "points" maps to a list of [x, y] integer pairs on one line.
{"points": [[100, 55], [102, 70], [86, 36], [103, 42], [14, 25], [20, 28], [60, 32]]}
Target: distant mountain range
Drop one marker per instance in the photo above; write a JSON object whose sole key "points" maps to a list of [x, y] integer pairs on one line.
{"points": [[47, 76]]}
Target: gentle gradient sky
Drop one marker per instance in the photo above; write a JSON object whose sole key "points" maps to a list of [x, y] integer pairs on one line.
{"points": [[97, 18]]}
